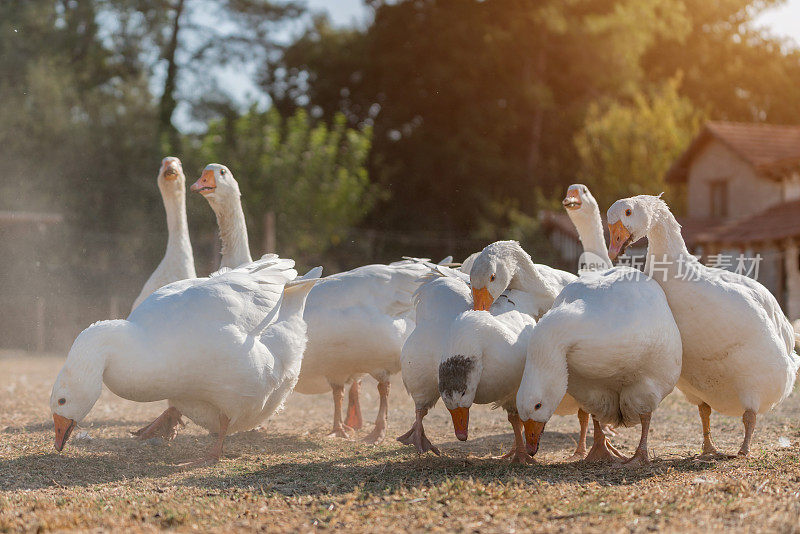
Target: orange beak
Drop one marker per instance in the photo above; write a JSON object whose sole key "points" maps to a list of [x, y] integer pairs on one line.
{"points": [[171, 167], [573, 200], [620, 238], [533, 431], [206, 183], [460, 422], [481, 299], [64, 428]]}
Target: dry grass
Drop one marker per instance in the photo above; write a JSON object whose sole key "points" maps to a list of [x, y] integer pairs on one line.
{"points": [[290, 477]]}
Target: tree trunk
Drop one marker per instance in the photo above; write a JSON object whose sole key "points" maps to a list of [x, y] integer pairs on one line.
{"points": [[168, 134]]}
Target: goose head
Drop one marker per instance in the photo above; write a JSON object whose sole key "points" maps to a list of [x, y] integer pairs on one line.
{"points": [[170, 175], [579, 201], [543, 386], [70, 401], [629, 220], [491, 274], [80, 382], [217, 185], [459, 376]]}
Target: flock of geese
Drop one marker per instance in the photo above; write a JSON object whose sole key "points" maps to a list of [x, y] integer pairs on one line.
{"points": [[611, 342]]}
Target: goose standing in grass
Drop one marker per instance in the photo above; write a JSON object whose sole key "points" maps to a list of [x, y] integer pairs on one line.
{"points": [[738, 346], [483, 361], [464, 356], [178, 261], [224, 350], [221, 190], [609, 341], [358, 321], [504, 265]]}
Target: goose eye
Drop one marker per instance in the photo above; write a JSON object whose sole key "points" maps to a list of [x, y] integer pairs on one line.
{"points": [[222, 172], [538, 405], [62, 401], [628, 212], [491, 278]]}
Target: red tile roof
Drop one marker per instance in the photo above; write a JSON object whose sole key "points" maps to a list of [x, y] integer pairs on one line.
{"points": [[768, 148], [774, 223]]}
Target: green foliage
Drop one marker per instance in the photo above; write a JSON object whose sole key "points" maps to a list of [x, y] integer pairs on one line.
{"points": [[310, 174], [626, 146]]}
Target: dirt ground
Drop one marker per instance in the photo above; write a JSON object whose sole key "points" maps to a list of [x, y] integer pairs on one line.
{"points": [[288, 476]]}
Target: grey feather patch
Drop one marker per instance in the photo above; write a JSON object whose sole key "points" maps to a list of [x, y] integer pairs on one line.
{"points": [[453, 374]]}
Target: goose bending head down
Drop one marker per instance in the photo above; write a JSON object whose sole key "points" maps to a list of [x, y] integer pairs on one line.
{"points": [[505, 265], [227, 360], [221, 190]]}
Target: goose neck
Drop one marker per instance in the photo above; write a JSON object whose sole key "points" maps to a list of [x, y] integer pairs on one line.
{"points": [[590, 231], [233, 235], [178, 242]]}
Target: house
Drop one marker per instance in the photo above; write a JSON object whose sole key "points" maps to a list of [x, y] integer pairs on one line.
{"points": [[742, 182]]}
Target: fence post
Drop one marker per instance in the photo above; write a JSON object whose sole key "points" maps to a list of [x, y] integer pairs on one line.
{"points": [[113, 307], [269, 245], [39, 324]]}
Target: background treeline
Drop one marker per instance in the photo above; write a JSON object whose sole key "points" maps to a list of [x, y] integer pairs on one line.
{"points": [[436, 127]]}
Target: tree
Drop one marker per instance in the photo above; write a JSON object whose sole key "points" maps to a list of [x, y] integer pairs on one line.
{"points": [[473, 103], [310, 174], [728, 66], [627, 146]]}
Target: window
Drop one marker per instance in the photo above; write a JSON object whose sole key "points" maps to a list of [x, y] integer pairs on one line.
{"points": [[719, 198]]}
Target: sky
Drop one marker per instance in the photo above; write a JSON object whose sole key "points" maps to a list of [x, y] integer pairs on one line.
{"points": [[782, 21]]}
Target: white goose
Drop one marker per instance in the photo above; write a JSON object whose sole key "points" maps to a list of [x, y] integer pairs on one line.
{"points": [[433, 359], [584, 213], [178, 262], [373, 298], [358, 321], [738, 355], [609, 341], [225, 351], [505, 265], [221, 190], [483, 361]]}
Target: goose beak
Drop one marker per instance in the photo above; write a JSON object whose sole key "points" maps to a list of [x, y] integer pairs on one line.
{"points": [[481, 298], [620, 238], [171, 172], [573, 200], [460, 422], [170, 167], [63, 428], [206, 183], [533, 431]]}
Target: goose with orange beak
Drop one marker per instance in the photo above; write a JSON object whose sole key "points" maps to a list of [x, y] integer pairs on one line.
{"points": [[611, 343], [445, 353], [738, 346], [227, 360], [178, 261], [483, 364], [221, 190], [505, 265]]}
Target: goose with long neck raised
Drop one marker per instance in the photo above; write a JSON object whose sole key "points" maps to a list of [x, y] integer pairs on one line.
{"points": [[178, 261], [738, 346], [221, 190]]}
